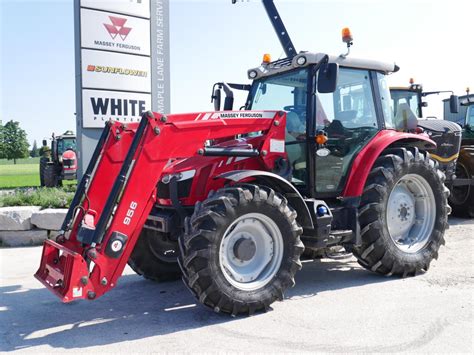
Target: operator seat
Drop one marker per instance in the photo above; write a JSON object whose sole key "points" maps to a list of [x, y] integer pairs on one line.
{"points": [[346, 116], [294, 126], [405, 119], [335, 129]]}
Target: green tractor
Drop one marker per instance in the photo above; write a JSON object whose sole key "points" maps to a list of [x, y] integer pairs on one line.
{"points": [[462, 194], [58, 162]]}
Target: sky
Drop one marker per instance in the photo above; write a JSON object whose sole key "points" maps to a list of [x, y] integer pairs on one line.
{"points": [[213, 40]]}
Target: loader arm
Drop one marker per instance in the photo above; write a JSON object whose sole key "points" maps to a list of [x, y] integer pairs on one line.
{"points": [[119, 188]]}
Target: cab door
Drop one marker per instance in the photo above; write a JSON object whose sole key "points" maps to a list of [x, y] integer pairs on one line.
{"points": [[348, 116]]}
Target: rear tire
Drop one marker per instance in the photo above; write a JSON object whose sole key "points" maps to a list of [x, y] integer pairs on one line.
{"points": [[50, 176], [42, 167], [241, 249], [155, 257], [462, 197], [417, 223]]}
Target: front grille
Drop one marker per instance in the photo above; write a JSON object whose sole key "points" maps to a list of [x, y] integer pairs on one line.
{"points": [[184, 188], [68, 162]]}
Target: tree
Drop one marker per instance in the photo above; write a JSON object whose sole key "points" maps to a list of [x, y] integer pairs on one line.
{"points": [[15, 145], [34, 151]]}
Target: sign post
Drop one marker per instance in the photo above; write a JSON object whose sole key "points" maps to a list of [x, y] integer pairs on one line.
{"points": [[122, 65]]}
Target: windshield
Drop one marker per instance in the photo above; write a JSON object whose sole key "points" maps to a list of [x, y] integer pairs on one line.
{"points": [[280, 92], [287, 91], [65, 144], [405, 97]]}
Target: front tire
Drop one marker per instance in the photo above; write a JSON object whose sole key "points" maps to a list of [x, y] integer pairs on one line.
{"points": [[403, 214], [155, 257], [241, 249]]}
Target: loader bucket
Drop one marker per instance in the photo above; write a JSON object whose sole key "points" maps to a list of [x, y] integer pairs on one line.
{"points": [[61, 271]]}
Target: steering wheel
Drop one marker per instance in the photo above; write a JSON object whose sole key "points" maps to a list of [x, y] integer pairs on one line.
{"points": [[297, 109]]}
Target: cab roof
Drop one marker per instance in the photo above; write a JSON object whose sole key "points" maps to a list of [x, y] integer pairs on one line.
{"points": [[287, 64]]}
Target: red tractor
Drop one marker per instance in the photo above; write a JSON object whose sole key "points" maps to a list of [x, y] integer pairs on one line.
{"points": [[58, 162], [233, 198]]}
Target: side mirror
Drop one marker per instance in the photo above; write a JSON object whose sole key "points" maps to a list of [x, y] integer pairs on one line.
{"points": [[216, 98], [454, 104], [327, 78], [45, 142]]}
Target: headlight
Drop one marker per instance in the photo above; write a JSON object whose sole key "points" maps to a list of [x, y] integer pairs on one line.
{"points": [[301, 60], [252, 74], [183, 175]]}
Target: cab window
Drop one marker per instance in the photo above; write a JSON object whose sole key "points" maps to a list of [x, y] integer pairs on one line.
{"points": [[348, 116], [470, 116]]}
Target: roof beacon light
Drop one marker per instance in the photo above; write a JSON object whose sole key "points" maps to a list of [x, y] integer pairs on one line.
{"points": [[266, 58], [348, 39], [347, 35]]}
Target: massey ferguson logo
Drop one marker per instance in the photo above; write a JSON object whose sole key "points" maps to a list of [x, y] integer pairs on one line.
{"points": [[117, 28]]}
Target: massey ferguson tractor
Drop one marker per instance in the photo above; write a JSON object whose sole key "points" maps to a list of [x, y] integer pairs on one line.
{"points": [[462, 191], [58, 162], [233, 198]]}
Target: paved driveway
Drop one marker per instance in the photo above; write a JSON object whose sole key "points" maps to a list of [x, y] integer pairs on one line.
{"points": [[335, 307]]}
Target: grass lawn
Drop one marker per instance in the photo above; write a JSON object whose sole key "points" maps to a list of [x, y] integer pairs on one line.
{"points": [[25, 173], [19, 175]]}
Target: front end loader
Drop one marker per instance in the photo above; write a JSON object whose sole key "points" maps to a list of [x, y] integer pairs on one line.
{"points": [[229, 200], [233, 198]]}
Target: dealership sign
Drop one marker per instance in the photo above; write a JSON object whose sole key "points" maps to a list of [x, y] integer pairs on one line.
{"points": [[140, 8], [112, 32], [122, 65], [101, 106], [115, 71]]}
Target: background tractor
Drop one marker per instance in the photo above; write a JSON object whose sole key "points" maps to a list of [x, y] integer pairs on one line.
{"points": [[462, 194], [312, 161], [453, 156], [58, 162]]}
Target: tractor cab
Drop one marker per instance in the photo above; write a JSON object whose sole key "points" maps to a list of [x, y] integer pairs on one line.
{"points": [[334, 105], [413, 97]]}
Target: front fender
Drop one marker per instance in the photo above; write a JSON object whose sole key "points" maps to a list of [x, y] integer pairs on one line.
{"points": [[365, 159], [278, 184]]}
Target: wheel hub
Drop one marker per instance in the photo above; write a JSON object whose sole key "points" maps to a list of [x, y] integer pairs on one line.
{"points": [[244, 248], [411, 212], [251, 251]]}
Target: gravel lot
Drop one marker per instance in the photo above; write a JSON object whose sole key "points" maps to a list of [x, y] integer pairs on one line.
{"points": [[335, 307]]}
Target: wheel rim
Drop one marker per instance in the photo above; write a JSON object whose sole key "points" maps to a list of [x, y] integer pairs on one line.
{"points": [[163, 248], [251, 251], [460, 194], [411, 212]]}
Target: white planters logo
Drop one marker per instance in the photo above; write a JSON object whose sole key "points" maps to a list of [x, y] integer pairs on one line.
{"points": [[102, 106]]}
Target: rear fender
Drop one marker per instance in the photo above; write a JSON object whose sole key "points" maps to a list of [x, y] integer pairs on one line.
{"points": [[278, 184], [364, 161]]}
